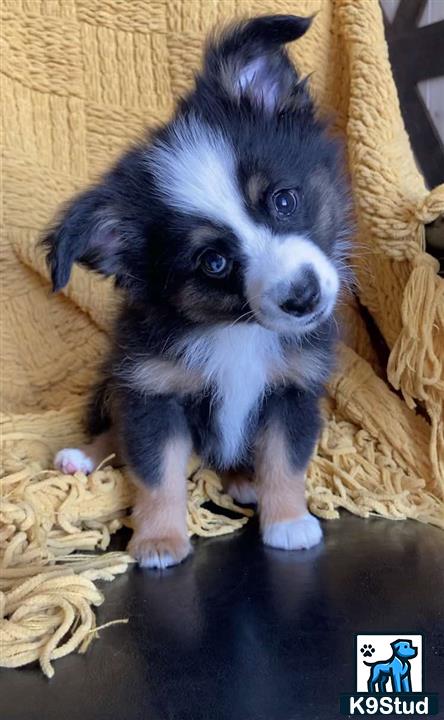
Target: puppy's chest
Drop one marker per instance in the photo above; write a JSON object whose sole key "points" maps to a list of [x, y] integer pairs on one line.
{"points": [[236, 366], [228, 371]]}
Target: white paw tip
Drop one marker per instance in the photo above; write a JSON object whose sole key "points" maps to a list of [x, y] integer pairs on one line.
{"points": [[72, 460], [158, 560], [300, 534], [159, 553]]}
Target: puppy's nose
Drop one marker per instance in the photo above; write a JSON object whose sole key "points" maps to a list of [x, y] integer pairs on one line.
{"points": [[304, 295]]}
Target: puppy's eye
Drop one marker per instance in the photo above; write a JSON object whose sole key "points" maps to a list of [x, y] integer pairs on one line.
{"points": [[285, 202], [214, 264]]}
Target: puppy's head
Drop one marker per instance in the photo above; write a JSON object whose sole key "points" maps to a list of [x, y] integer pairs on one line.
{"points": [[236, 209]]}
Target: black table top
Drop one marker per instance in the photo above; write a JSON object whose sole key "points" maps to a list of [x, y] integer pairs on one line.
{"points": [[242, 632]]}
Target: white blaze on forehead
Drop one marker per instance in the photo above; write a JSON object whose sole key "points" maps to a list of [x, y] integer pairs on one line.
{"points": [[196, 172]]}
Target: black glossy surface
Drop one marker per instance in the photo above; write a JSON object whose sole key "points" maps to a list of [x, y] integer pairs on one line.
{"points": [[241, 632]]}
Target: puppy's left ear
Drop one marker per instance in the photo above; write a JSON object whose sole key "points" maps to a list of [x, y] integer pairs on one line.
{"points": [[88, 232], [249, 60]]}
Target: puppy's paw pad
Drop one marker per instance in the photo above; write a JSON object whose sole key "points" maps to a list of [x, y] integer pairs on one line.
{"points": [[243, 492], [159, 553], [300, 534], [72, 460]]}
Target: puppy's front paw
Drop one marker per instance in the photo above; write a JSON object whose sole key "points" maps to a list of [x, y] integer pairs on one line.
{"points": [[159, 553], [303, 533], [72, 460]]}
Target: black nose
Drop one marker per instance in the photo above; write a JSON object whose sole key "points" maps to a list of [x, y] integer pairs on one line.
{"points": [[304, 295]]}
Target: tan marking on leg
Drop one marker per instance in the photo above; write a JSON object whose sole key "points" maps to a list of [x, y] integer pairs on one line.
{"points": [[284, 519], [160, 537], [281, 490]]}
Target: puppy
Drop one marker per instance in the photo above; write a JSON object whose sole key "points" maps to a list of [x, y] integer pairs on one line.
{"points": [[226, 229]]}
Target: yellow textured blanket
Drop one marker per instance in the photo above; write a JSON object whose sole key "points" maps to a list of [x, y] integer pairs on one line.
{"points": [[81, 78]]}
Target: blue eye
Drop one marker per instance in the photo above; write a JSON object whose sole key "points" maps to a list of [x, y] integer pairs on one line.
{"points": [[212, 263], [285, 202]]}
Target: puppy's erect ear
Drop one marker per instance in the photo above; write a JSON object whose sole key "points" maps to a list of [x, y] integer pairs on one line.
{"points": [[87, 232], [249, 60]]}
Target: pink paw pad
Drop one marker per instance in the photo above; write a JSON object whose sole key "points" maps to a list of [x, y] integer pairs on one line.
{"points": [[72, 460]]}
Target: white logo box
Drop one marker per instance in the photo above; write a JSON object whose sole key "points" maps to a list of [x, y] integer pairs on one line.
{"points": [[383, 651]]}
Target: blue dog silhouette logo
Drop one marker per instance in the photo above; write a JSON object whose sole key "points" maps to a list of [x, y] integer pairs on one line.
{"points": [[389, 677], [397, 668]]}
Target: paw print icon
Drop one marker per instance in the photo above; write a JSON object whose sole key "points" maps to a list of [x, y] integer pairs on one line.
{"points": [[367, 650]]}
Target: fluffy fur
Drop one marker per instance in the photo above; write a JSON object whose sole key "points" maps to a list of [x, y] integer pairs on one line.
{"points": [[226, 229]]}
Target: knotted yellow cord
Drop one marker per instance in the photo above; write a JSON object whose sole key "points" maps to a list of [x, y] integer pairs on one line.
{"points": [[381, 451], [47, 579]]}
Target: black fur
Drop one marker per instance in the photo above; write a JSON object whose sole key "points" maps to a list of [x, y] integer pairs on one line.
{"points": [[297, 415], [124, 227], [144, 425]]}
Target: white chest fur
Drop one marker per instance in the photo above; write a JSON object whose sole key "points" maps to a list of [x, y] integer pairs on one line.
{"points": [[239, 362]]}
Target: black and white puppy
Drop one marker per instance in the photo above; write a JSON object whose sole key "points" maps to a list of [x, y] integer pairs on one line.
{"points": [[226, 229]]}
